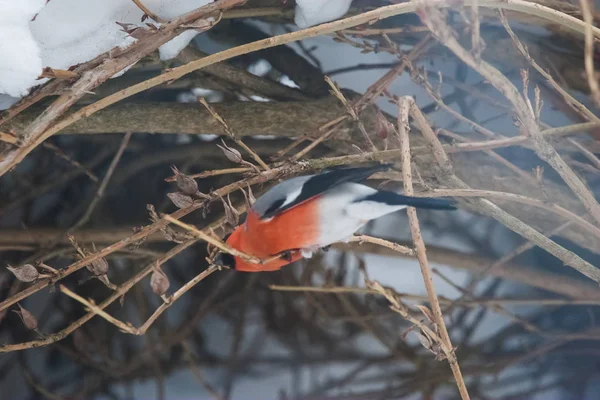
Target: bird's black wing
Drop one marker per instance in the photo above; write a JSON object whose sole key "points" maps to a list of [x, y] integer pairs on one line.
{"points": [[320, 183]]}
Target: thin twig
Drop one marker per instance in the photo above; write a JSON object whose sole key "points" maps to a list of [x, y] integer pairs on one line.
{"points": [[147, 11], [523, 6], [100, 191], [586, 10], [123, 288], [212, 240], [231, 134], [385, 243], [404, 106], [338, 93]]}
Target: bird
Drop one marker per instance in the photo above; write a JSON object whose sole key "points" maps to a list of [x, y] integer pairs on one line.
{"points": [[304, 214]]}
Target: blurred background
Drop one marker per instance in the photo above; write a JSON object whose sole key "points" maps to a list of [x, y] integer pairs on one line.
{"points": [[523, 323]]}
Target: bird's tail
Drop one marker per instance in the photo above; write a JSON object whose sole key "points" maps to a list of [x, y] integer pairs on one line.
{"points": [[395, 199]]}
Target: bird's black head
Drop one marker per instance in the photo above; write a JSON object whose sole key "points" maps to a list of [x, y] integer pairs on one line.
{"points": [[225, 260]]}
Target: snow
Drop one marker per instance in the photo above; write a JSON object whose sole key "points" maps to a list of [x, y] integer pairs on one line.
{"points": [[68, 32], [314, 12], [20, 62]]}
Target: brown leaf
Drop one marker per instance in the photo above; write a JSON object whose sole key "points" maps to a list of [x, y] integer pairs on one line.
{"points": [[29, 320], [159, 282], [25, 273], [48, 72], [181, 200], [232, 154], [186, 184]]}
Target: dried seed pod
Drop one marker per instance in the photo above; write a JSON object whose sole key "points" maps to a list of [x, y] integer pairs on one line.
{"points": [[181, 200], [24, 273], [246, 199], [29, 320], [98, 267], [185, 183], [159, 282], [232, 154], [232, 216], [383, 127], [251, 197]]}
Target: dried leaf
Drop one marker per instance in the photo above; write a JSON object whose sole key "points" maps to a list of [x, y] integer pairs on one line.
{"points": [[159, 282], [232, 154], [186, 184], [181, 200], [48, 72], [201, 24], [25, 273], [134, 31], [29, 320]]}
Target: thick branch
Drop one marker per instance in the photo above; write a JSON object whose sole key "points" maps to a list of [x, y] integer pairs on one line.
{"points": [[283, 119]]}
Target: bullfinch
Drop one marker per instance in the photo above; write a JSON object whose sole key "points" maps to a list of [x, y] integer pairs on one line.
{"points": [[298, 216]]}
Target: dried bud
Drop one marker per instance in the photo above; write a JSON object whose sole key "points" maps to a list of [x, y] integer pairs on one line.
{"points": [[232, 154], [28, 318], [383, 127], [186, 184], [159, 282], [25, 273], [98, 267], [181, 200]]}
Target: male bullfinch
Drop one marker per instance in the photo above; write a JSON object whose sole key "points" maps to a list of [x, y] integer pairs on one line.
{"points": [[301, 215]]}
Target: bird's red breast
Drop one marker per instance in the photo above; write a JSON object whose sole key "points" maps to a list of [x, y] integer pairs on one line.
{"points": [[294, 229]]}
